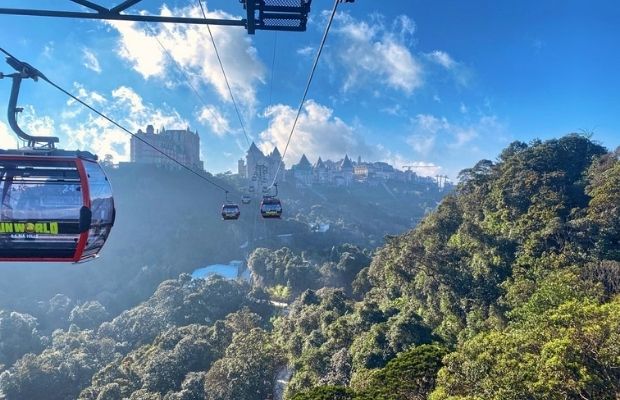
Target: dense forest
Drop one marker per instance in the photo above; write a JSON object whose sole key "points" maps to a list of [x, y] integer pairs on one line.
{"points": [[509, 289]]}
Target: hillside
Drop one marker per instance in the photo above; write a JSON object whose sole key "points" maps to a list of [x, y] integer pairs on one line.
{"points": [[509, 290], [516, 275], [168, 222]]}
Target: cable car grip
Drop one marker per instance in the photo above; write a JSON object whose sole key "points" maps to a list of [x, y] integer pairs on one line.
{"points": [[24, 71]]}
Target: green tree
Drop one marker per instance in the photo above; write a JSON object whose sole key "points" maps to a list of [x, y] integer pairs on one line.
{"points": [[326, 393], [88, 315], [568, 352], [18, 336], [410, 376], [247, 371], [61, 371]]}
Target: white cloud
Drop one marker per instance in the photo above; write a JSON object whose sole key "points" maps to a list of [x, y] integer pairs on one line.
{"points": [[192, 49], [35, 125], [394, 110], [400, 161], [425, 128], [89, 96], [137, 114], [464, 135], [371, 53], [421, 144], [425, 168], [442, 58], [213, 117], [318, 133], [428, 132], [7, 138], [405, 26], [485, 126], [460, 73], [96, 134], [90, 60], [48, 49], [30, 123], [306, 51], [128, 96], [140, 49], [422, 168]]}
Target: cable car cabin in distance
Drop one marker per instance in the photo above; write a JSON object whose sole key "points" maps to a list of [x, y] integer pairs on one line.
{"points": [[55, 206], [271, 207], [230, 212]]}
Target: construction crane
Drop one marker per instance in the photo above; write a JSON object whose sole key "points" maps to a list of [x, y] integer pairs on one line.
{"points": [[410, 167], [441, 180]]}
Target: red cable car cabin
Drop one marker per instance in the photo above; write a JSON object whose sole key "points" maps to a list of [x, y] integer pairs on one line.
{"points": [[271, 207], [54, 207]]}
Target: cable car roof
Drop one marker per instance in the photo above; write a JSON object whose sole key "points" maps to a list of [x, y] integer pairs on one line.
{"points": [[47, 153]]}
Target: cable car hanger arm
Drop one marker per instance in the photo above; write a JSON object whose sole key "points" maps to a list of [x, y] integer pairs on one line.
{"points": [[261, 15], [24, 71]]}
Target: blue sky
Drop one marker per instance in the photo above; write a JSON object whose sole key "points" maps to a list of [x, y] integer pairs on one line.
{"points": [[442, 83]]}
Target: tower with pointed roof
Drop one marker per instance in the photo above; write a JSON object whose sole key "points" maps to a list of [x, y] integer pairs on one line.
{"points": [[261, 168], [275, 159], [346, 164], [255, 162], [275, 154], [346, 170], [320, 172], [302, 171]]}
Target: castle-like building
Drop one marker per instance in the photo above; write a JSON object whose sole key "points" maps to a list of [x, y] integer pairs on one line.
{"points": [[323, 172], [261, 169], [182, 145]]}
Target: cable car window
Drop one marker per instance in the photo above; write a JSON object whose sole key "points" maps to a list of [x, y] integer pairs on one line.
{"points": [[39, 209], [271, 207], [102, 205], [37, 192], [102, 208]]}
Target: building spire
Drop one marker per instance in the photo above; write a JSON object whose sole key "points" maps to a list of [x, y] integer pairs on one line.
{"points": [[276, 154], [254, 149], [346, 163]]}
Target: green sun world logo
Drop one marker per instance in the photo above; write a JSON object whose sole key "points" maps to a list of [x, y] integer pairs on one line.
{"points": [[44, 228]]}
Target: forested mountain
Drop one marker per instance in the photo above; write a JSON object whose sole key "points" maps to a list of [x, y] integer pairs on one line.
{"points": [[509, 290], [168, 222], [517, 275]]}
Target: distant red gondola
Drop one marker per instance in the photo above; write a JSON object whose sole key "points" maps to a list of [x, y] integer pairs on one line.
{"points": [[271, 207], [230, 211]]}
